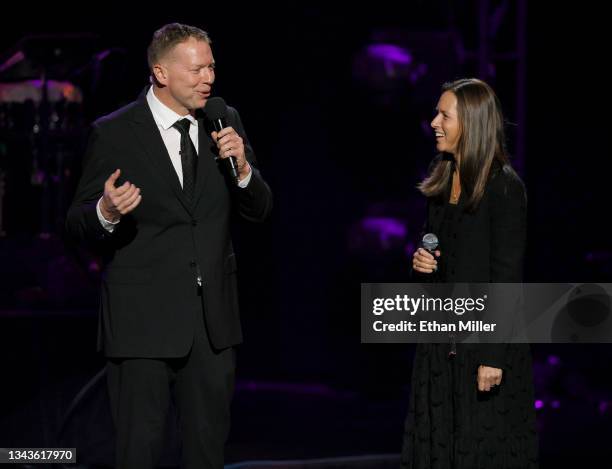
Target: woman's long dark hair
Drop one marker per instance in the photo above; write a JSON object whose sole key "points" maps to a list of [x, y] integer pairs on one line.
{"points": [[481, 141]]}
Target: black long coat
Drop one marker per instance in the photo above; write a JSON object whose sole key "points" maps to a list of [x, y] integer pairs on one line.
{"points": [[450, 424]]}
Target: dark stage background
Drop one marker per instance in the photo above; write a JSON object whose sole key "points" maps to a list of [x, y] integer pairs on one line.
{"points": [[337, 103]]}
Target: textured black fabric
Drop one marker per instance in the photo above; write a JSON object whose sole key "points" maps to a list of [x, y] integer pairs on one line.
{"points": [[450, 424]]}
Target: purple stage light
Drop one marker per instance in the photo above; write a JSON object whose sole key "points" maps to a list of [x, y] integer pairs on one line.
{"points": [[539, 404], [384, 229], [391, 53], [385, 226], [603, 407], [553, 360]]}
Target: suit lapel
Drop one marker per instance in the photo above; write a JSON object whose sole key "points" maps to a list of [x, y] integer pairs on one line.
{"points": [[147, 133]]}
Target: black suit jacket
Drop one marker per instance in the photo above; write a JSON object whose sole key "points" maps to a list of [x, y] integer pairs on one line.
{"points": [[488, 245], [149, 297]]}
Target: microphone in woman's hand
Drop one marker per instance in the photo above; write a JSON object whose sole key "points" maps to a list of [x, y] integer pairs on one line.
{"points": [[430, 243]]}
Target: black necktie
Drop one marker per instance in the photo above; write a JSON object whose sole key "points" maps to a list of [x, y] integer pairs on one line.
{"points": [[189, 158]]}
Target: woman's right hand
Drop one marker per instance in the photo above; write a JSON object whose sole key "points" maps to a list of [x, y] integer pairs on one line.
{"points": [[424, 262]]}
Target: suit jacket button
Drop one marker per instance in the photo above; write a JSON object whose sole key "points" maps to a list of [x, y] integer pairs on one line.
{"points": [[192, 264], [194, 223]]}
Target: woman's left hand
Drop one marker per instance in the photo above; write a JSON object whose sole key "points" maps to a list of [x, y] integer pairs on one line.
{"points": [[488, 377]]}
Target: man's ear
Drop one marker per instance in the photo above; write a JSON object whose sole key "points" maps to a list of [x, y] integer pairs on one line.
{"points": [[160, 74]]}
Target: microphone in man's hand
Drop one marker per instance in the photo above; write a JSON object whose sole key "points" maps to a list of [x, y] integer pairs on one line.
{"points": [[430, 243], [216, 110]]}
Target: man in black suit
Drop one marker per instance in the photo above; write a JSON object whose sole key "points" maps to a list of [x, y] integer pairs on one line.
{"points": [[160, 211]]}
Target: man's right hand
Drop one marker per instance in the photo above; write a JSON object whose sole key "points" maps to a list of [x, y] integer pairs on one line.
{"points": [[118, 201]]}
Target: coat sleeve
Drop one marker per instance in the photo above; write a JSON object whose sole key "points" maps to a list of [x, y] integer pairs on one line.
{"points": [[255, 200], [508, 220], [82, 221], [413, 274], [508, 225]]}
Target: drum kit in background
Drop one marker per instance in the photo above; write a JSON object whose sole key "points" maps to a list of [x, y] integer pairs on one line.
{"points": [[43, 128]]}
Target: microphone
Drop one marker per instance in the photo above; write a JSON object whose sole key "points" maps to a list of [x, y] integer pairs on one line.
{"points": [[215, 110], [430, 243]]}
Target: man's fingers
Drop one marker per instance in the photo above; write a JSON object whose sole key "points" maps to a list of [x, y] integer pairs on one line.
{"points": [[127, 198], [231, 145], [225, 132], [122, 193], [122, 199], [231, 139], [122, 189], [110, 182], [113, 177], [113, 191], [132, 205]]}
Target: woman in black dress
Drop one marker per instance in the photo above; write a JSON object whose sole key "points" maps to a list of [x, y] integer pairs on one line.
{"points": [[472, 406]]}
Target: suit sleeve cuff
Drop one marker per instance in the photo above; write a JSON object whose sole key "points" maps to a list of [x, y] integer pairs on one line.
{"points": [[243, 183], [107, 225]]}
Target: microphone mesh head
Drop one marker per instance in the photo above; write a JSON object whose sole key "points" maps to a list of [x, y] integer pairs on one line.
{"points": [[430, 241], [215, 108]]}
